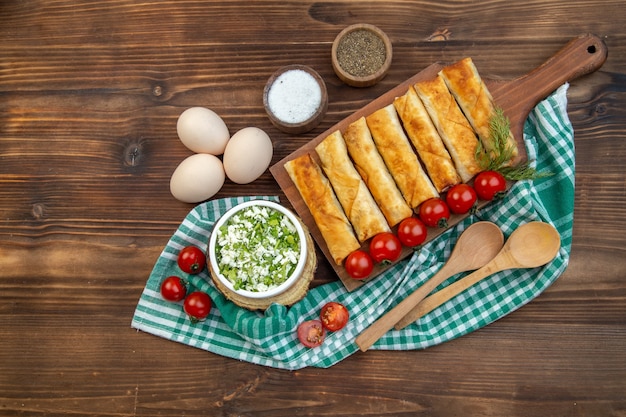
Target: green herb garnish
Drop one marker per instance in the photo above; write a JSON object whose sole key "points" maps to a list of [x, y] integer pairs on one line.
{"points": [[497, 159]]}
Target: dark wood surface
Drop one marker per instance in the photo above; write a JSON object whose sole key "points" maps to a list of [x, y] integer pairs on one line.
{"points": [[89, 97]]}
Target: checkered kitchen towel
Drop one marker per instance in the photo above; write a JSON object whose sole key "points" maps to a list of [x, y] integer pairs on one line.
{"points": [[269, 338]]}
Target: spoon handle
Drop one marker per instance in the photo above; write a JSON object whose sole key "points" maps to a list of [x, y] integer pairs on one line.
{"points": [[385, 323], [445, 294]]}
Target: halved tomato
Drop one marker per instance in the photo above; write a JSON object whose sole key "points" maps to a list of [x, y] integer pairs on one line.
{"points": [[334, 316], [311, 333]]}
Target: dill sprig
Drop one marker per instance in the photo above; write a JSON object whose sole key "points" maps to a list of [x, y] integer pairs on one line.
{"points": [[523, 172], [498, 158]]}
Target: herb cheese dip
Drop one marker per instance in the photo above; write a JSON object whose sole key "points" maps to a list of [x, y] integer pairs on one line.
{"points": [[257, 248]]}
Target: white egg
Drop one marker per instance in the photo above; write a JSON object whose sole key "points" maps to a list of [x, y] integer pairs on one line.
{"points": [[197, 178], [247, 155], [202, 131]]}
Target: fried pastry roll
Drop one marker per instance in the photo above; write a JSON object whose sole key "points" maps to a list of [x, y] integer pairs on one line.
{"points": [[426, 140], [372, 169], [475, 100], [327, 213], [452, 125], [401, 161], [350, 189]]}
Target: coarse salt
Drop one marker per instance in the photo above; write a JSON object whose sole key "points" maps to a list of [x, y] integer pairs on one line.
{"points": [[294, 96]]}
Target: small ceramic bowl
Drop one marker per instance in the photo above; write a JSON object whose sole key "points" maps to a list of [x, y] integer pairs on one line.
{"points": [[263, 294], [368, 61], [295, 99]]}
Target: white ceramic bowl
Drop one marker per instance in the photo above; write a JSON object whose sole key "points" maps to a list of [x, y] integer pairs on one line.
{"points": [[215, 270]]}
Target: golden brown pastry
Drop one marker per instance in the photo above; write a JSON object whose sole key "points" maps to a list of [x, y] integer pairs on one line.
{"points": [[372, 169], [453, 127], [350, 189], [474, 99], [324, 207], [399, 157], [426, 140]]}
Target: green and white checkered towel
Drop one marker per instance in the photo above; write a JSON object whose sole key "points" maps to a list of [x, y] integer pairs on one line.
{"points": [[269, 338]]}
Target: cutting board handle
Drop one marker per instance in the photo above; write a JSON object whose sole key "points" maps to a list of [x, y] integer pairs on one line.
{"points": [[581, 56]]}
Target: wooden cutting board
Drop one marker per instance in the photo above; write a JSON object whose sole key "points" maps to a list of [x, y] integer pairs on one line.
{"points": [[582, 55]]}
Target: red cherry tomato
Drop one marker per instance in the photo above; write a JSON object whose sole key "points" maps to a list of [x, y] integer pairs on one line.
{"points": [[359, 264], [412, 232], [461, 198], [385, 247], [490, 185], [173, 289], [334, 316], [191, 260], [434, 212], [311, 333], [197, 305]]}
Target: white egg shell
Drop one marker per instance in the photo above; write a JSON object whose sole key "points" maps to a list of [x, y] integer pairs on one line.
{"points": [[197, 178], [248, 154], [202, 130]]}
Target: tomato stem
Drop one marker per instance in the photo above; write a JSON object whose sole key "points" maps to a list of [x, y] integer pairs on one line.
{"points": [[500, 195], [194, 320]]}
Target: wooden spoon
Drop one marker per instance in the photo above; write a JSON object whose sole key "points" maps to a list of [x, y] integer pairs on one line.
{"points": [[531, 245], [476, 246]]}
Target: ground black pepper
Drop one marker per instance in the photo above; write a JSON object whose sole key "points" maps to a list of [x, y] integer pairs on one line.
{"points": [[361, 52]]}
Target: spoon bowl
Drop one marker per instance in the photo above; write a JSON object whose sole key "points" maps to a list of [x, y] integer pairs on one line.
{"points": [[534, 244], [531, 245]]}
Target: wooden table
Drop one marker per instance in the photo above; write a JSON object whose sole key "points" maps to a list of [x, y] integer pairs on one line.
{"points": [[89, 97]]}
